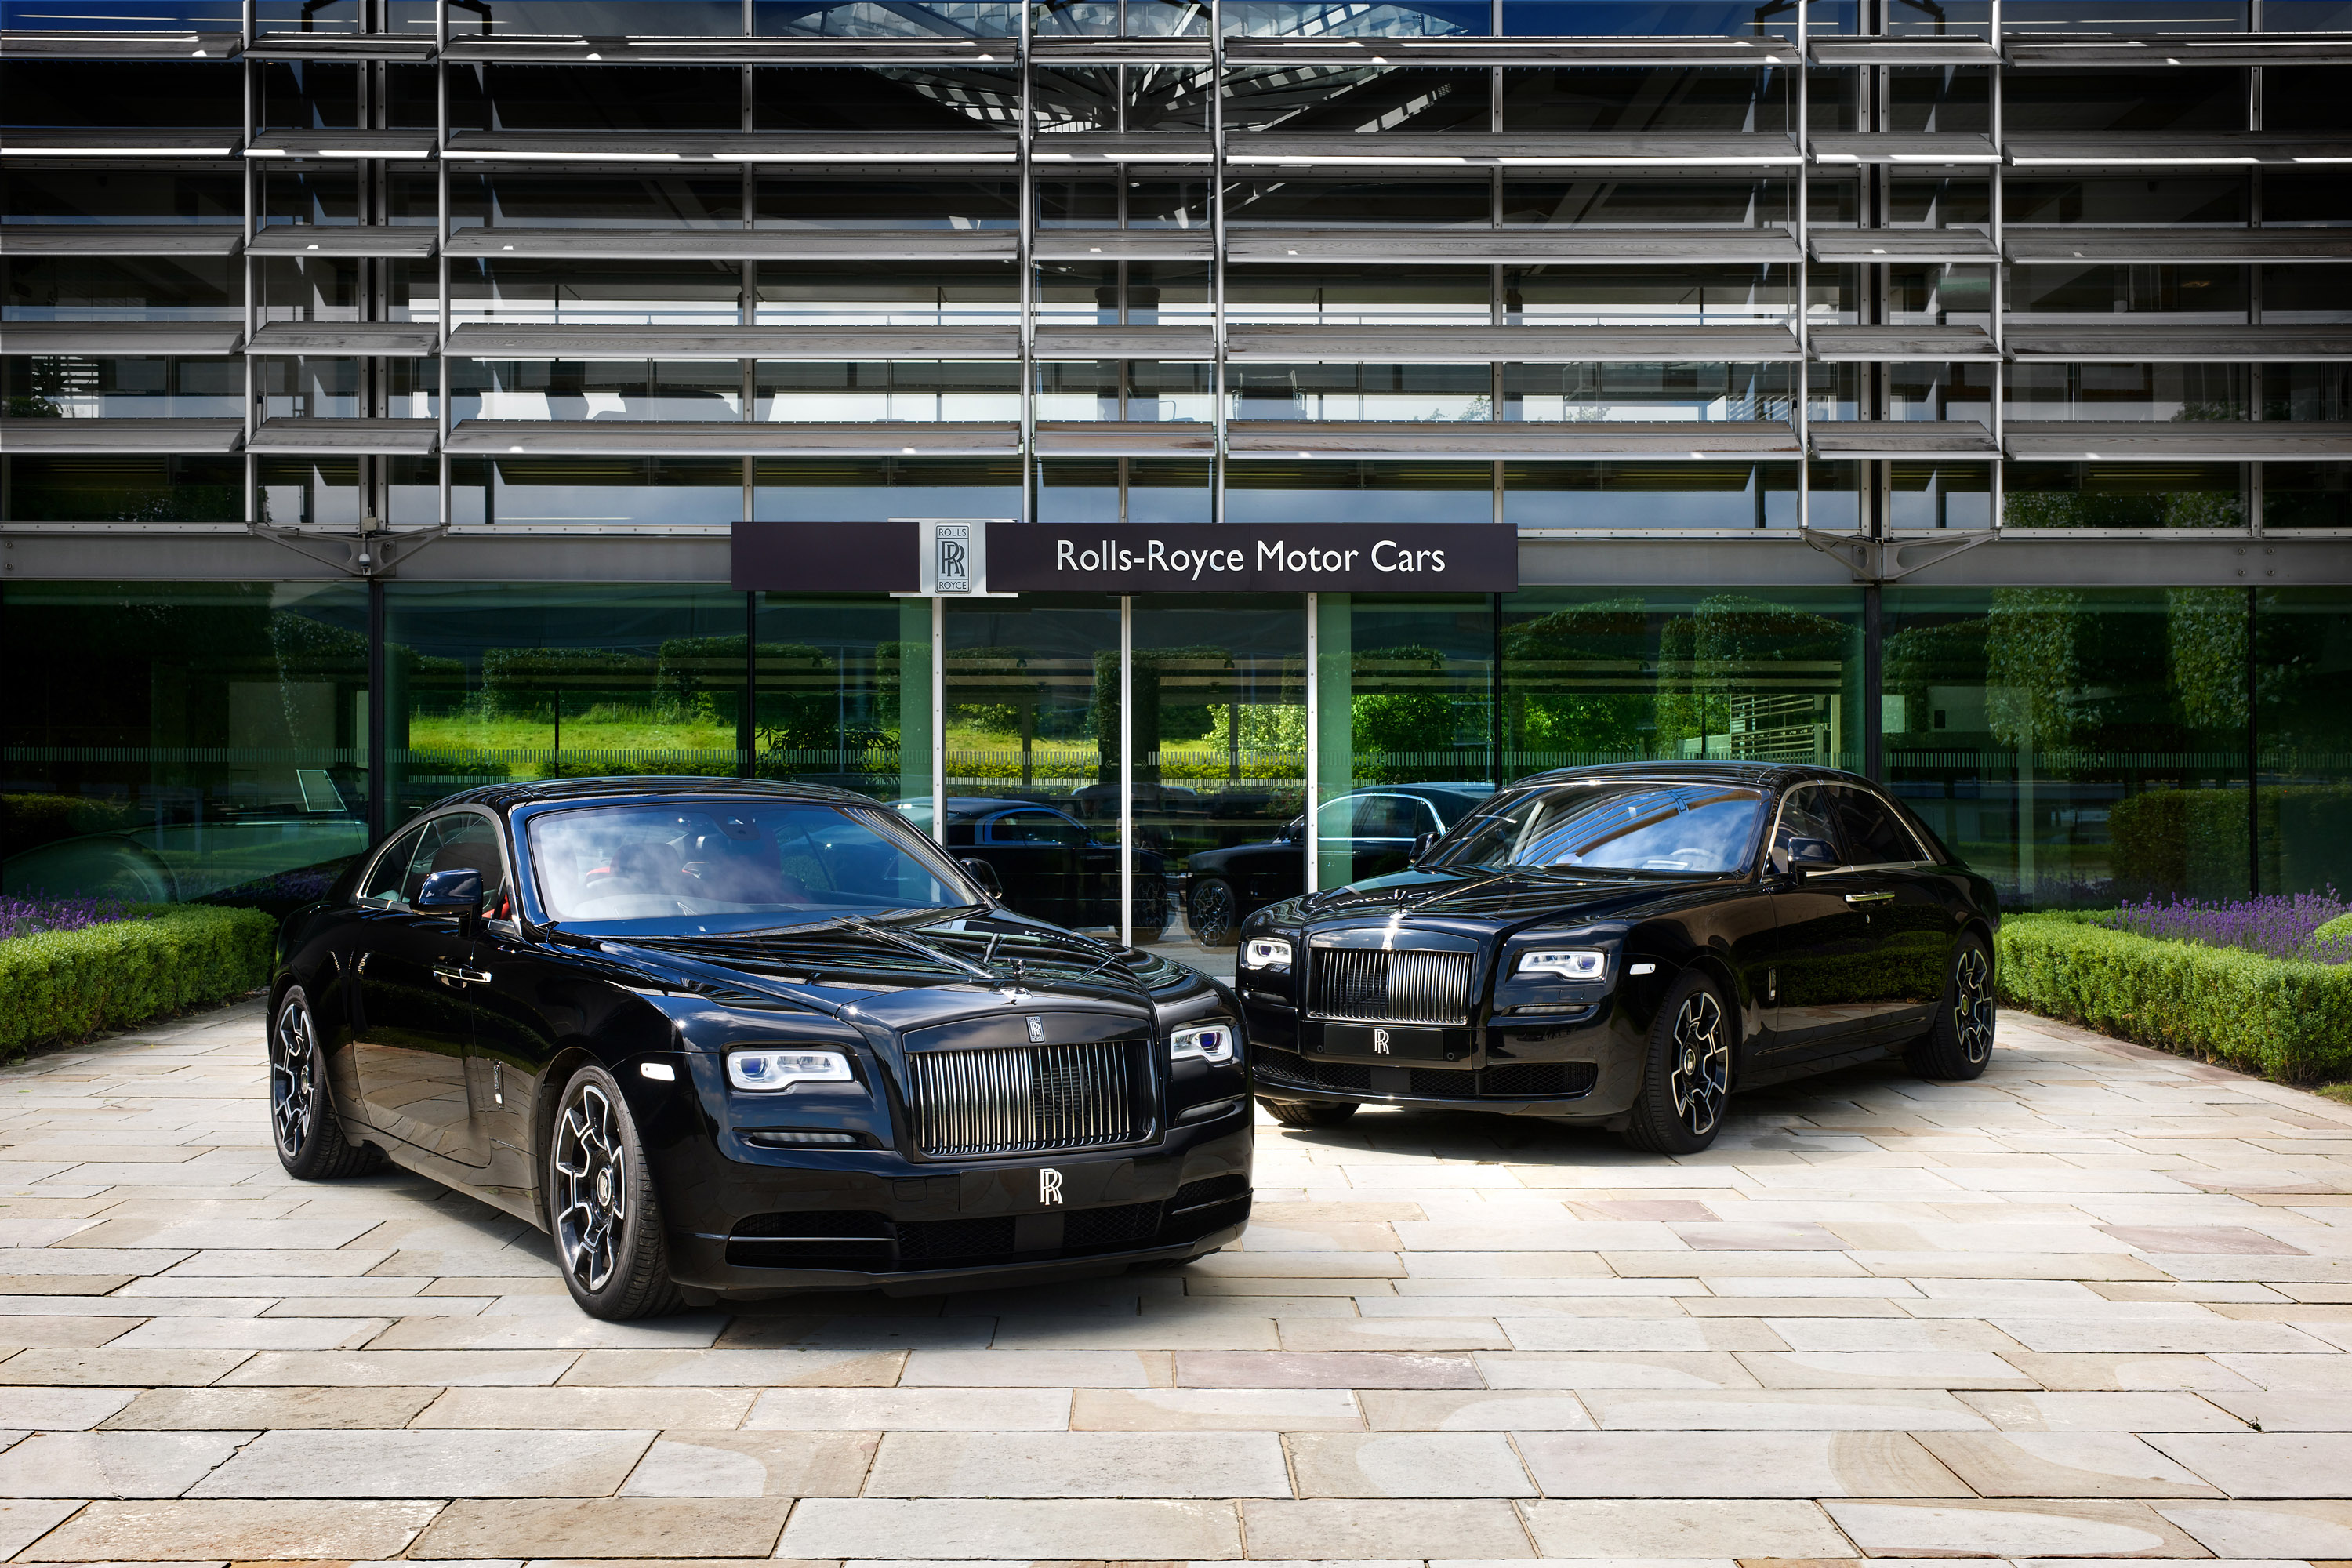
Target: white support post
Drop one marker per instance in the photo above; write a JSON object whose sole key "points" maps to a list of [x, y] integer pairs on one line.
{"points": [[1314, 737], [1802, 409], [1126, 770], [939, 721]]}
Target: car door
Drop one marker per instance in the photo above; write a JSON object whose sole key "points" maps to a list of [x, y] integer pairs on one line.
{"points": [[1907, 906], [413, 1026], [1385, 830], [1820, 986]]}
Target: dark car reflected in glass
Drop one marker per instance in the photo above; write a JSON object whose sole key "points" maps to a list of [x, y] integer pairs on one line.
{"points": [[1625, 947], [1376, 830], [1046, 863], [727, 1039]]}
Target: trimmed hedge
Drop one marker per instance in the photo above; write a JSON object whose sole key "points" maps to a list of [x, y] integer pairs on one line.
{"points": [[2285, 1018], [66, 984]]}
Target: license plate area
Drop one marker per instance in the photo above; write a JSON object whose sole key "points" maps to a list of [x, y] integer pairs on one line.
{"points": [[1392, 1043], [1047, 1188]]}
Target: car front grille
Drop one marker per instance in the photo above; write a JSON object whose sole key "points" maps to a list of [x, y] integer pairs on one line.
{"points": [[1027, 1099], [1377, 985]]}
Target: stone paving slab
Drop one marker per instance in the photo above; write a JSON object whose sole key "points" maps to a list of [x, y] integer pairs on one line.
{"points": [[2096, 1306]]}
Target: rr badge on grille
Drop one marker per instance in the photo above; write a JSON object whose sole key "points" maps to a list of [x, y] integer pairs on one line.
{"points": [[1049, 1181], [1036, 1030], [1381, 1042]]}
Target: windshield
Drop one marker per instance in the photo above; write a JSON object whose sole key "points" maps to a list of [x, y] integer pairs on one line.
{"points": [[721, 866], [1679, 829]]}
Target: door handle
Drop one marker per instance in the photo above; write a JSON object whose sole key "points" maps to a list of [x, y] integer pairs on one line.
{"points": [[463, 977], [1867, 898]]}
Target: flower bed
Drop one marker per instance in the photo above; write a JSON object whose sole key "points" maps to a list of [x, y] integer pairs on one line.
{"points": [[61, 980], [2254, 985]]}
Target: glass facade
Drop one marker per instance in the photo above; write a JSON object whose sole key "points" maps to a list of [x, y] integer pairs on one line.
{"points": [[1718, 341]]}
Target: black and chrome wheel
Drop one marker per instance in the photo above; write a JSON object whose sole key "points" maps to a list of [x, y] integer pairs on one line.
{"points": [[1958, 1044], [1687, 1082], [1213, 912], [601, 1207], [1307, 1113], [311, 1142]]}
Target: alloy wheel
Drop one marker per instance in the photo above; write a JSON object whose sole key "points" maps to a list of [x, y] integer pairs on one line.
{"points": [[1212, 915], [293, 1065], [1699, 1076], [592, 1201], [1972, 1008]]}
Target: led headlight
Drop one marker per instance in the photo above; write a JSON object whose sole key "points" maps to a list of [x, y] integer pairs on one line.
{"points": [[1265, 952], [782, 1067], [1208, 1042], [1564, 962]]}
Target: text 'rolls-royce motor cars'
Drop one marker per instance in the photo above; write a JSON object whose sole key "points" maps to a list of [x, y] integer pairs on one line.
{"points": [[1623, 947], [730, 1038]]}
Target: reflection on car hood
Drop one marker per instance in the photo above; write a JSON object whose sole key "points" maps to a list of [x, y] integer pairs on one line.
{"points": [[1506, 897], [836, 966]]}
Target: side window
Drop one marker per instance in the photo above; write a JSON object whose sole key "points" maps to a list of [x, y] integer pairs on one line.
{"points": [[470, 843], [1035, 827], [1873, 833], [387, 883], [1804, 815], [1386, 817]]}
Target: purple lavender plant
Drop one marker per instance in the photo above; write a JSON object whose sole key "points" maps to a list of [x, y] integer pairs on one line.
{"points": [[2278, 926], [22, 917]]}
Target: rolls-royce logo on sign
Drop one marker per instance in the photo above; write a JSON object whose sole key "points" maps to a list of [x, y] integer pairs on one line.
{"points": [[952, 552], [1380, 1043], [1049, 1188]]}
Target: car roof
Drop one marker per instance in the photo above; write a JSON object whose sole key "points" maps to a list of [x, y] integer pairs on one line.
{"points": [[980, 805], [534, 792], [1766, 775]]}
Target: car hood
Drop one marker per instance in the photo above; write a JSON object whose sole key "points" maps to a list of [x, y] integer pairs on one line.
{"points": [[904, 975], [1499, 902]]}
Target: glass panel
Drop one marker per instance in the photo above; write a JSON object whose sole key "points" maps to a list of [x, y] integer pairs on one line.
{"points": [[2165, 202], [1939, 495], [597, 293], [786, 203], [955, 99], [874, 490], [308, 95], [1268, 492], [2046, 295], [902, 294], [489, 681], [1325, 18], [1113, 18], [616, 98], [2302, 660], [2078, 746], [122, 289], [1650, 102], [1594, 675], [1648, 296], [2309, 392], [1108, 97], [600, 19], [59, 388], [1327, 99], [597, 389], [1697, 390], [171, 742], [1400, 392], [133, 196], [125, 94], [923, 390], [1357, 296], [125, 489], [1655, 202], [1155, 490], [843, 686], [2165, 392], [523, 199], [309, 493], [310, 388], [1676, 495], [2308, 495], [2051, 102], [1221, 738], [123, 16], [593, 492], [1357, 203], [1033, 720], [867, 19], [2124, 495]]}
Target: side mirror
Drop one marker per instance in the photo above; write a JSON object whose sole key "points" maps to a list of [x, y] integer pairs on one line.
{"points": [[1421, 846], [1294, 831], [1806, 855], [451, 893], [985, 875]]}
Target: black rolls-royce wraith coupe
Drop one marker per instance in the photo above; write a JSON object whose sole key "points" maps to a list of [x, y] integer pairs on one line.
{"points": [[727, 1039], [1623, 947]]}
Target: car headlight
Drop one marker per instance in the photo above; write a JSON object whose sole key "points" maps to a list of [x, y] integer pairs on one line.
{"points": [[1265, 952], [1208, 1042], [783, 1067], [1565, 963]]}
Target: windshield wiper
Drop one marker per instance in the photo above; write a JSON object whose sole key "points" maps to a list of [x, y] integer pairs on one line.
{"points": [[901, 939]]}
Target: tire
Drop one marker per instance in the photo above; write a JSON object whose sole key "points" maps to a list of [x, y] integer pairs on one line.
{"points": [[1150, 915], [1305, 1113], [1686, 1079], [601, 1212], [302, 1126], [1213, 913], [1958, 1044]]}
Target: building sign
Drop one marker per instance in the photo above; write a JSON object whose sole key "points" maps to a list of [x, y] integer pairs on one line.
{"points": [[932, 556]]}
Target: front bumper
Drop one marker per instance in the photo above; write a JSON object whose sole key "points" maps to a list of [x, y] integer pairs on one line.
{"points": [[872, 1220], [1582, 1069]]}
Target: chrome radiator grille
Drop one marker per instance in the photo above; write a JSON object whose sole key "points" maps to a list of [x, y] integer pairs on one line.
{"points": [[1019, 1100], [1374, 985]]}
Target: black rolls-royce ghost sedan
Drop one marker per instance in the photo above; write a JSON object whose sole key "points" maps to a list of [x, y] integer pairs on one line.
{"points": [[730, 1038], [1625, 947]]}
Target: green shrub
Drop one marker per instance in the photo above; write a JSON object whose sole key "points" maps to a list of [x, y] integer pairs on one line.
{"points": [[2285, 1018], [2341, 926], [63, 986]]}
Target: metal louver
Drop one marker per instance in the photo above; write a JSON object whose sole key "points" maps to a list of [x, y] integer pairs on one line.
{"points": [[1016, 1101], [1378, 985]]}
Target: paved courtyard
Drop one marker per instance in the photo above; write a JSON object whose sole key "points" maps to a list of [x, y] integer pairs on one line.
{"points": [[2098, 1305]]}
